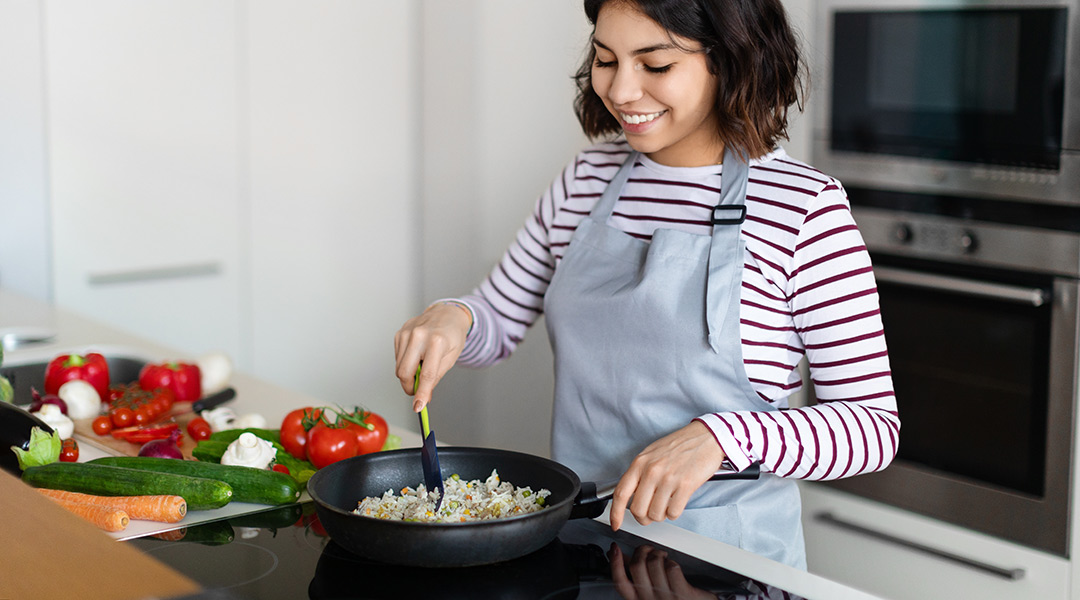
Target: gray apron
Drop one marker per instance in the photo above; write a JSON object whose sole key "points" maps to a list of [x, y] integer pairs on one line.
{"points": [[646, 338]]}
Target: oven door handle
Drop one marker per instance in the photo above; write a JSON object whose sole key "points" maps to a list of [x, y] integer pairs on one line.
{"points": [[998, 291]]}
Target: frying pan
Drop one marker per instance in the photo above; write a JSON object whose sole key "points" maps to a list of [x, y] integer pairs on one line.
{"points": [[337, 488]]}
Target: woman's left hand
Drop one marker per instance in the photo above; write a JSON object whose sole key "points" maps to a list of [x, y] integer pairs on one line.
{"points": [[662, 477]]}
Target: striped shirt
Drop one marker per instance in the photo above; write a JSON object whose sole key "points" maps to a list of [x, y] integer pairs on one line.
{"points": [[807, 290]]}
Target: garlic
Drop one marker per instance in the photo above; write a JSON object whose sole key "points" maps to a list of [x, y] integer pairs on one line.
{"points": [[249, 451], [55, 418], [83, 401]]}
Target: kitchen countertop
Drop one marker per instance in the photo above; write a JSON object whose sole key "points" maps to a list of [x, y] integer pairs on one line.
{"points": [[74, 332]]}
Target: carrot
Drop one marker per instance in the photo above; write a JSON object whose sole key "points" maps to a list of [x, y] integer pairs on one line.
{"points": [[104, 517], [163, 508]]}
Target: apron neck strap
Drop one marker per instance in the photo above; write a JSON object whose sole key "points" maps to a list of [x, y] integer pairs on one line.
{"points": [[602, 209]]}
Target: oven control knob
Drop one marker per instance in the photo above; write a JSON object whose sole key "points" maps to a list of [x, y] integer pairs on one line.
{"points": [[968, 242], [903, 234]]}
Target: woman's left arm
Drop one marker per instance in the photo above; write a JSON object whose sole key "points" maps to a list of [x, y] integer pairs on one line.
{"points": [[854, 427]]}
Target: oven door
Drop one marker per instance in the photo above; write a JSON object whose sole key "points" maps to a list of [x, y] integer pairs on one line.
{"points": [[984, 366]]}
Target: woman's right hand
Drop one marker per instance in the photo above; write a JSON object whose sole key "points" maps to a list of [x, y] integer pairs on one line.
{"points": [[436, 337]]}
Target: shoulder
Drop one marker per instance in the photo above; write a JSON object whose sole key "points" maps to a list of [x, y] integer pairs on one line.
{"points": [[600, 160], [781, 183]]}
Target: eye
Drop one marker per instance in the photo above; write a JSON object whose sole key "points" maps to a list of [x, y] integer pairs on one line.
{"points": [[663, 69], [603, 64]]}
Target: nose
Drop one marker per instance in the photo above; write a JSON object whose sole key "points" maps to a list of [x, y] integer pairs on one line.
{"points": [[625, 85]]}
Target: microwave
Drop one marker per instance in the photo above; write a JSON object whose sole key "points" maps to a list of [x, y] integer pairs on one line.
{"points": [[977, 98]]}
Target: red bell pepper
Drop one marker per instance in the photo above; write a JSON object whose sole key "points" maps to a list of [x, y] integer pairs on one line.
{"points": [[184, 379], [146, 433], [91, 368]]}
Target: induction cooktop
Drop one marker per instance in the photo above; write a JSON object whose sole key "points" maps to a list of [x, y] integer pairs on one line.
{"points": [[285, 553]]}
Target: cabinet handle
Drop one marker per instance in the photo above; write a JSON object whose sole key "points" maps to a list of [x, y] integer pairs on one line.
{"points": [[1005, 573], [174, 272]]}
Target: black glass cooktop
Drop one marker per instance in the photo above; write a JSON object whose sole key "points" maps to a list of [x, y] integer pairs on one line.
{"points": [[285, 553]]}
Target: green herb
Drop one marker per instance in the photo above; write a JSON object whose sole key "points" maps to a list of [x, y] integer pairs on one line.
{"points": [[44, 449]]}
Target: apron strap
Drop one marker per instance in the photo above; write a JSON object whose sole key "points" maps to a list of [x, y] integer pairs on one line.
{"points": [[606, 204], [725, 256], [725, 248]]}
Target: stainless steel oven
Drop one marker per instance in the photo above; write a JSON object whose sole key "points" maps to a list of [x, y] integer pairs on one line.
{"points": [[979, 302], [951, 96], [955, 128]]}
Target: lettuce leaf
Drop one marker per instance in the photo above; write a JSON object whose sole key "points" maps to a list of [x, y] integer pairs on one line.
{"points": [[43, 449]]}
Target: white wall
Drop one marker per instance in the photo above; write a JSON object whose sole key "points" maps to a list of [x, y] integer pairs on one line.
{"points": [[24, 230]]}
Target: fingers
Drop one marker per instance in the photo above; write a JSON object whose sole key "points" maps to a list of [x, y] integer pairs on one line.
{"points": [[436, 337], [624, 491]]}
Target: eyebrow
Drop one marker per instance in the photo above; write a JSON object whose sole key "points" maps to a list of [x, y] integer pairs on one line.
{"points": [[640, 51]]}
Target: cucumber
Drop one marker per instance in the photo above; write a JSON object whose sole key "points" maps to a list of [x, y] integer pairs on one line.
{"points": [[107, 480], [259, 486]]}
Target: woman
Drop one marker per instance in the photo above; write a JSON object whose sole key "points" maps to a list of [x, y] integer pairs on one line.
{"points": [[685, 268]]}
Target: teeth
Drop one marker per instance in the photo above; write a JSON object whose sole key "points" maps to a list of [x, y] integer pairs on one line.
{"points": [[637, 119]]}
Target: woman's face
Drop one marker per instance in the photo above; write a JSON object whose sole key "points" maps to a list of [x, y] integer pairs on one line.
{"points": [[662, 95]]}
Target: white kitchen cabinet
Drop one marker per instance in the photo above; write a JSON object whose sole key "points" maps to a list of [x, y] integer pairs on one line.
{"points": [[899, 572], [143, 148], [240, 176]]}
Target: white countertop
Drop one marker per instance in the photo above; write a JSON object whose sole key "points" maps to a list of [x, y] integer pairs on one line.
{"points": [[77, 333]]}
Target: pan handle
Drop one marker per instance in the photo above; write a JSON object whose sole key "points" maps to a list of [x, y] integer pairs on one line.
{"points": [[593, 497]]}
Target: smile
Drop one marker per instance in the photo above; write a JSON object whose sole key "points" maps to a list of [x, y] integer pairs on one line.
{"points": [[638, 119]]}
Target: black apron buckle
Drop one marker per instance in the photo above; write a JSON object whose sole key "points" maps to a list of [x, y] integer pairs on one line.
{"points": [[718, 217]]}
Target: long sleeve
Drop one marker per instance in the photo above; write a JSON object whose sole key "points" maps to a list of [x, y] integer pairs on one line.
{"points": [[833, 301]]}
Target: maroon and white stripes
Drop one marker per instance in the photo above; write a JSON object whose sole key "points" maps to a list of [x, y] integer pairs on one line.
{"points": [[807, 290]]}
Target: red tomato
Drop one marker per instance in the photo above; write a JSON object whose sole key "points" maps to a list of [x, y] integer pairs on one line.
{"points": [[327, 445], [123, 417], [144, 414], [199, 429], [69, 451], [294, 435], [280, 468], [370, 440], [102, 425]]}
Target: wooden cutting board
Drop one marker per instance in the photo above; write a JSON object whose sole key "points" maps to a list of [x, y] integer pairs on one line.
{"points": [[181, 412]]}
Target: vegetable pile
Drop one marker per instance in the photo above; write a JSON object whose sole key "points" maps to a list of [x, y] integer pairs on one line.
{"points": [[234, 458]]}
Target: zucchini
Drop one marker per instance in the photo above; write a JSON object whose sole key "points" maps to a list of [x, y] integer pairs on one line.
{"points": [[107, 480], [259, 486], [212, 450], [230, 435]]}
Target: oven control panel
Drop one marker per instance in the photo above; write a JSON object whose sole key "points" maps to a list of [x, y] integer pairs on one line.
{"points": [[951, 239]]}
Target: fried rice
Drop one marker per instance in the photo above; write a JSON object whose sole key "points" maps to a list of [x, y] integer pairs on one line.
{"points": [[464, 501]]}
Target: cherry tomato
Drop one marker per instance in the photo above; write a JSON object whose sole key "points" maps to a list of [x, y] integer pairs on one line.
{"points": [[294, 435], [69, 451], [327, 444], [102, 425], [280, 468], [162, 400], [144, 414], [370, 440], [199, 429], [123, 417]]}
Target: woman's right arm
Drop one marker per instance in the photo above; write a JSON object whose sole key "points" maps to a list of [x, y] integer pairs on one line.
{"points": [[499, 310]]}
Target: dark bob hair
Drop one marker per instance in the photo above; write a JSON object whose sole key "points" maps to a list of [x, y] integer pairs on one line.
{"points": [[752, 51]]}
